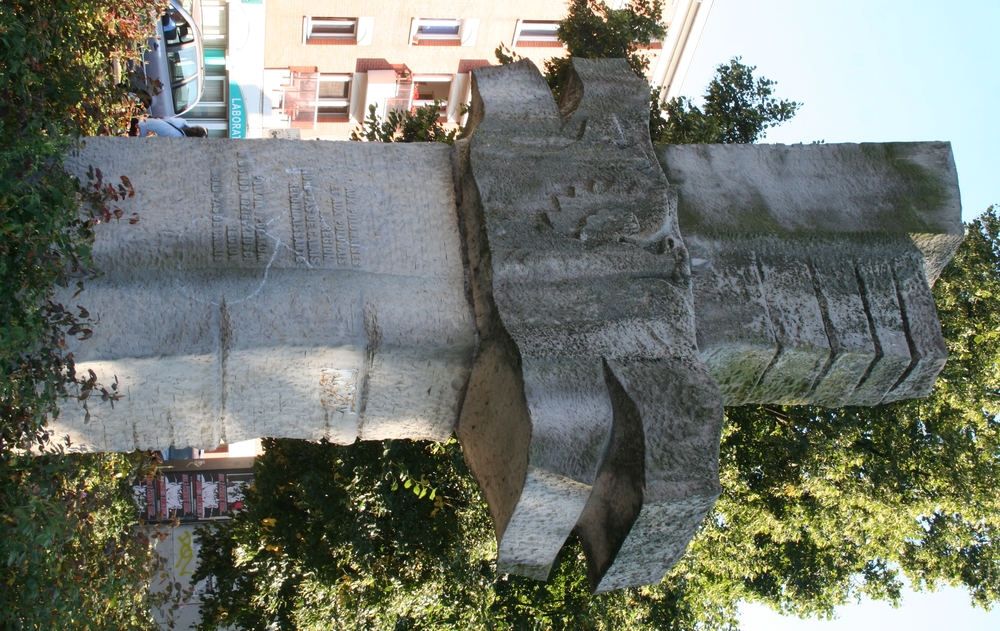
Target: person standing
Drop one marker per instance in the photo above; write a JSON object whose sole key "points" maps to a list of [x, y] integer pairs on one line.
{"points": [[166, 127]]}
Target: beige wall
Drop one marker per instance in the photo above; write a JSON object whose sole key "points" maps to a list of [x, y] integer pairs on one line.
{"points": [[391, 33], [390, 38]]}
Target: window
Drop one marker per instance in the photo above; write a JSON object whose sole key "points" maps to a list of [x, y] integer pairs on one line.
{"points": [[184, 95], [299, 96], [213, 101], [536, 33], [211, 111], [439, 32], [329, 30], [443, 32], [176, 30], [182, 64], [333, 98], [214, 22], [430, 88]]}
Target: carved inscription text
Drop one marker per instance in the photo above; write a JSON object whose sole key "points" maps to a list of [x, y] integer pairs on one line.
{"points": [[323, 232], [239, 239]]}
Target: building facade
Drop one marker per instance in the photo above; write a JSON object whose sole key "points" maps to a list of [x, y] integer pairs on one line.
{"points": [[312, 68]]}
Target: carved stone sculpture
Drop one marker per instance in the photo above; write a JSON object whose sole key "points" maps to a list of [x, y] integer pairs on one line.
{"points": [[577, 303]]}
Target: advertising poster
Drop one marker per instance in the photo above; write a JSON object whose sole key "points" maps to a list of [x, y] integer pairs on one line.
{"points": [[184, 492]]}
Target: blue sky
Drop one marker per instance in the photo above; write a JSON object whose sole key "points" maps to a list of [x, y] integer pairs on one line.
{"points": [[874, 71]]}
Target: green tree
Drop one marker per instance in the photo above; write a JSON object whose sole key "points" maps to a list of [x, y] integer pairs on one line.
{"points": [[422, 124], [349, 537], [71, 553], [369, 535], [739, 108], [592, 30]]}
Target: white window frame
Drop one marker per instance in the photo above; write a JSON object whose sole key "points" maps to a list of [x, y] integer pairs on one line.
{"points": [[434, 78], [223, 79], [344, 102], [525, 25], [416, 24], [309, 23]]}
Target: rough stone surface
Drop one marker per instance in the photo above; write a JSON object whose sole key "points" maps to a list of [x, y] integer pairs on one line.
{"points": [[897, 188], [676, 413], [885, 320], [824, 225], [923, 331], [803, 346], [852, 347], [541, 284], [278, 289], [736, 338], [589, 280]]}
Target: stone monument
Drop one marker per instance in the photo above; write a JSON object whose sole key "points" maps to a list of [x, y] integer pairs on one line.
{"points": [[578, 305]]}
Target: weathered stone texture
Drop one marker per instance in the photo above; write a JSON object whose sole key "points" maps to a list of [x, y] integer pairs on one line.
{"points": [[923, 331], [676, 405], [589, 278], [735, 334], [896, 188], [885, 320], [271, 290], [541, 283], [821, 224]]}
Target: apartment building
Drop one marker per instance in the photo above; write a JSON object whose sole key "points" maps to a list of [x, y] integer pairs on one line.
{"points": [[312, 68]]}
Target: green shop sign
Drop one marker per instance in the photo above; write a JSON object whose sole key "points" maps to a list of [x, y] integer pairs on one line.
{"points": [[237, 112]]}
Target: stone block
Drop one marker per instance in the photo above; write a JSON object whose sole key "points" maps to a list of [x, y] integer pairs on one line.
{"points": [[803, 346], [274, 281], [851, 344], [585, 269], [886, 188], [928, 352], [583, 319], [672, 410], [885, 317], [735, 336]]}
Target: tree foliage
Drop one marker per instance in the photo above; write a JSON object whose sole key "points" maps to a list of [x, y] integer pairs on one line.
{"points": [[350, 537], [738, 108], [365, 536], [592, 30], [71, 555], [56, 59], [421, 124], [70, 552]]}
